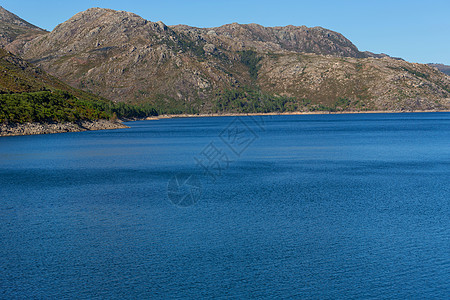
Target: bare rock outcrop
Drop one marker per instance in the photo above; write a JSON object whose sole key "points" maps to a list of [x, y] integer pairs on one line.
{"points": [[48, 128]]}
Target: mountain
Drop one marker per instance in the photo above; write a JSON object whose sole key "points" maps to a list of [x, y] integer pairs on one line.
{"points": [[15, 32], [19, 76], [240, 37], [241, 68], [29, 94], [441, 67]]}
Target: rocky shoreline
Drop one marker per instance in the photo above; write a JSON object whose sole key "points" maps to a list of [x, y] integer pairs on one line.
{"points": [[13, 129], [287, 114], [48, 128]]}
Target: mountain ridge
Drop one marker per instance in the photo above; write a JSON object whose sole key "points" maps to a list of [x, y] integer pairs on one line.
{"points": [[15, 32], [9, 17], [316, 40], [123, 57], [441, 67]]}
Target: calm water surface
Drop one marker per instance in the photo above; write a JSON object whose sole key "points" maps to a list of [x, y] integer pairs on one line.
{"points": [[324, 206]]}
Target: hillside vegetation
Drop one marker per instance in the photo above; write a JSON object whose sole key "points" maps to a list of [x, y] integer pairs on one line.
{"points": [[28, 94]]}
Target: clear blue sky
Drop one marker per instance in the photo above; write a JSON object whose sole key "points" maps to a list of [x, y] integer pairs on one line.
{"points": [[418, 31]]}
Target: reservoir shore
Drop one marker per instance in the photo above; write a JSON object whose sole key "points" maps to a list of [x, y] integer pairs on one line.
{"points": [[286, 114], [13, 129]]}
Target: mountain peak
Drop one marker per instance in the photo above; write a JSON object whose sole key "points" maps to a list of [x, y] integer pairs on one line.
{"points": [[96, 12], [10, 18], [100, 18]]}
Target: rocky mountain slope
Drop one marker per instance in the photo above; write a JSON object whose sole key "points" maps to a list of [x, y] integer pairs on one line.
{"points": [[239, 37], [441, 67], [123, 57], [15, 32], [27, 93], [370, 83], [19, 76], [33, 102]]}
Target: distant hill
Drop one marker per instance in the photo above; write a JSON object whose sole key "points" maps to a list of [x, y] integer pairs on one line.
{"points": [[15, 32], [441, 67]]}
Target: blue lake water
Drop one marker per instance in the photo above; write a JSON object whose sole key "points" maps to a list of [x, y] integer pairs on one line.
{"points": [[319, 206]]}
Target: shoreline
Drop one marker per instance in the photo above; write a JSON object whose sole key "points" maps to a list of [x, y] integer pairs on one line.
{"points": [[36, 128], [160, 117]]}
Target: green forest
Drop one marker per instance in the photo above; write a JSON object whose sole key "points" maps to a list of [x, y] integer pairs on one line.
{"points": [[61, 106], [249, 100]]}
